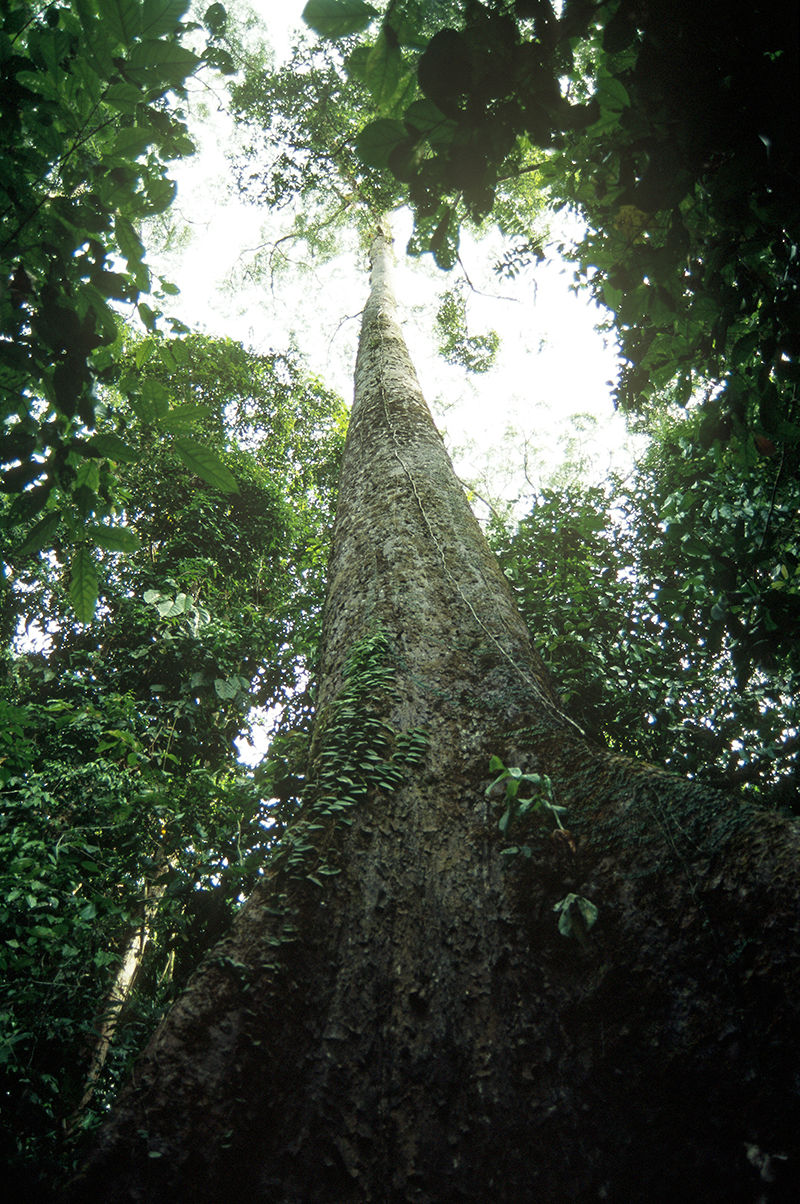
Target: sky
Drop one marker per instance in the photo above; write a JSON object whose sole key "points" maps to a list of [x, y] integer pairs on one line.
{"points": [[552, 364]]}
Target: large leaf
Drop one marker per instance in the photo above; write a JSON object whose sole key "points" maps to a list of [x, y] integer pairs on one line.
{"points": [[160, 194], [378, 139], [383, 69], [162, 16], [112, 448], [155, 395], [131, 247], [206, 465], [425, 118], [41, 535], [131, 141], [216, 18], [114, 539], [83, 587], [338, 18], [160, 63], [123, 18], [183, 418]]}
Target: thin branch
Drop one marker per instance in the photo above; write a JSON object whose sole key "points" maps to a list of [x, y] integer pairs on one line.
{"points": [[343, 322], [521, 171], [772, 498], [469, 488], [479, 292]]}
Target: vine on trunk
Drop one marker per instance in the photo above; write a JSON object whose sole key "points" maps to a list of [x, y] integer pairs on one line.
{"points": [[358, 752]]}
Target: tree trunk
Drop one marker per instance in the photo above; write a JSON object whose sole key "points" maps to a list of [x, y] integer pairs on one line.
{"points": [[417, 1027], [122, 985]]}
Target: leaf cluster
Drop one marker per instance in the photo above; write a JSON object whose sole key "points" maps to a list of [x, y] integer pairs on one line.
{"points": [[299, 125], [526, 795], [474, 352], [465, 96], [357, 753], [93, 111], [665, 645]]}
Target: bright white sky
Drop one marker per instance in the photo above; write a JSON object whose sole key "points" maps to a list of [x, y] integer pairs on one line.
{"points": [[552, 364]]}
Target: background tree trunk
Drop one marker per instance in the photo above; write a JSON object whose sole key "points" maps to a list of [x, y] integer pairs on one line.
{"points": [[418, 1028], [127, 971]]}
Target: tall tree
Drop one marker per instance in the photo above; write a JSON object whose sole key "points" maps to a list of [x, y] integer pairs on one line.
{"points": [[577, 981]]}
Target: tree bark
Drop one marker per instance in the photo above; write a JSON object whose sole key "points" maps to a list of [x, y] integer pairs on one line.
{"points": [[418, 1028]]}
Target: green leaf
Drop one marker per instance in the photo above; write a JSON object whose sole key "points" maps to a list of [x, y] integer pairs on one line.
{"points": [[168, 608], [160, 194], [41, 535], [144, 352], [206, 465], [132, 248], [217, 56], [125, 98], [123, 18], [114, 539], [444, 240], [83, 585], [156, 397], [160, 63], [183, 418], [148, 315], [383, 69], [577, 915], [131, 141], [338, 18], [612, 95], [163, 16], [111, 447], [377, 140], [215, 18], [226, 689], [424, 118]]}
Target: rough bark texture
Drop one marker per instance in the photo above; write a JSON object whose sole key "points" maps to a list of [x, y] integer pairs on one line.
{"points": [[424, 1032]]}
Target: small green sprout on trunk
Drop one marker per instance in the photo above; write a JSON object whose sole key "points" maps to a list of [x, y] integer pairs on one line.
{"points": [[576, 915], [537, 797]]}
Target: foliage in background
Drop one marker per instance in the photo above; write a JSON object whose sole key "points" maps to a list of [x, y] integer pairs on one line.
{"points": [[297, 125], [655, 652], [305, 141], [474, 352], [126, 813], [666, 606], [93, 111]]}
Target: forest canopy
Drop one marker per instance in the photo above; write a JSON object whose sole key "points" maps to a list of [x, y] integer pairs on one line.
{"points": [[167, 495]]}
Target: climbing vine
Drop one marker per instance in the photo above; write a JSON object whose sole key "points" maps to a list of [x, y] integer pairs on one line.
{"points": [[358, 752]]}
